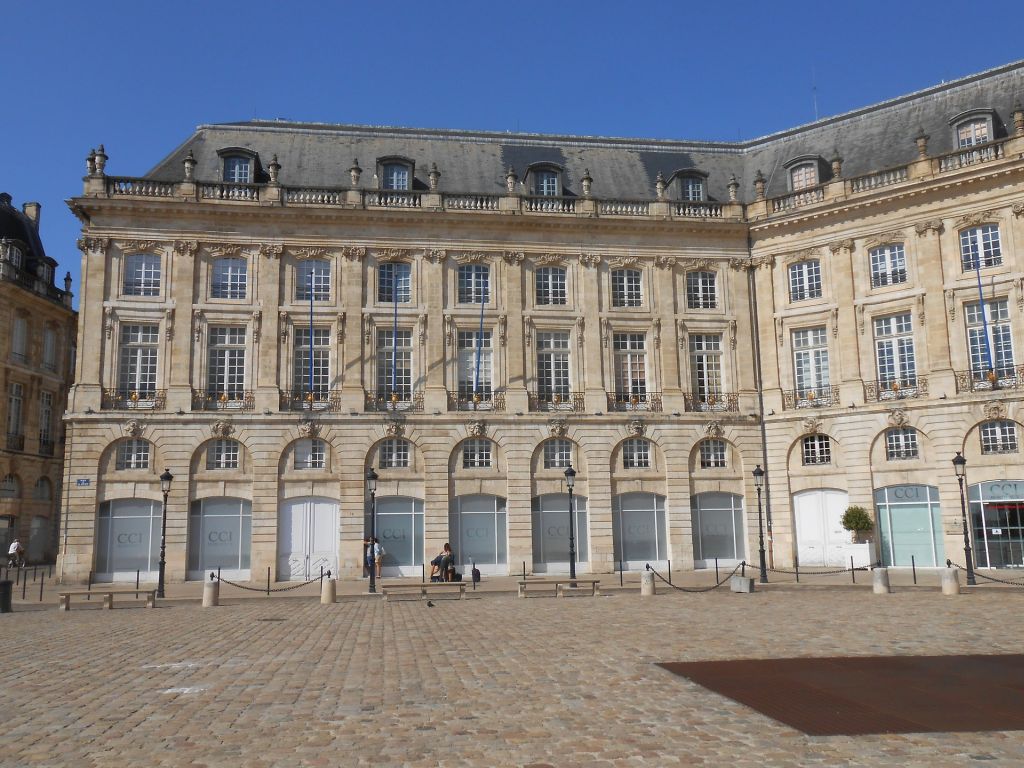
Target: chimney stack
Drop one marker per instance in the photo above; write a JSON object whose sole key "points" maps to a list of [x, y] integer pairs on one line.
{"points": [[32, 211]]}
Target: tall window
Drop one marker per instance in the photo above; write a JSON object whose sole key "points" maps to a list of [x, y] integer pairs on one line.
{"points": [[999, 437], [319, 350], [43, 489], [972, 132], [901, 444], [313, 276], [810, 361], [471, 345], [19, 339], [9, 487], [310, 454], [630, 350], [712, 454], [132, 453], [636, 453], [394, 283], [15, 400], [700, 290], [46, 419], [50, 349], [803, 176], [142, 275], [817, 449], [557, 453], [137, 359], [225, 371], [998, 341], [394, 364], [396, 176], [692, 188], [393, 454], [626, 288], [237, 170], [230, 278], [888, 265], [552, 365], [550, 283], [894, 350], [476, 453], [980, 246], [805, 280], [546, 183], [222, 454], [474, 284], [706, 366]]}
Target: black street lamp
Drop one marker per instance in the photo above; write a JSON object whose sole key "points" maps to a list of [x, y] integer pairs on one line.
{"points": [[759, 484], [165, 487], [960, 467], [570, 482], [371, 486]]}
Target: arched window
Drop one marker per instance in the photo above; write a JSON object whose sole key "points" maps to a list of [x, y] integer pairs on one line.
{"points": [[888, 265], [43, 490], [557, 453], [980, 247], [636, 453], [223, 453], [476, 453], [9, 487], [901, 444], [817, 449], [971, 132], [310, 454], [229, 278], [999, 437], [626, 288], [394, 453], [132, 453], [712, 454]]}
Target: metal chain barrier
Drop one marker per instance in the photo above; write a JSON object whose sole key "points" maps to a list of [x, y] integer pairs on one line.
{"points": [[819, 573], [979, 575], [694, 589], [264, 590]]}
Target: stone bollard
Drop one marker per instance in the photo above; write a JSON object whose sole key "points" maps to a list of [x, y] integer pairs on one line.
{"points": [[646, 583], [211, 594], [950, 582], [328, 592], [741, 583], [880, 581]]}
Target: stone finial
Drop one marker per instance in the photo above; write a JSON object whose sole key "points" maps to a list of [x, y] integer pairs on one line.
{"points": [[837, 165], [90, 163], [435, 177], [354, 173], [734, 188], [274, 169], [101, 160], [587, 181], [511, 179], [1018, 119], [659, 186], [67, 283], [759, 185], [190, 166], [922, 143]]}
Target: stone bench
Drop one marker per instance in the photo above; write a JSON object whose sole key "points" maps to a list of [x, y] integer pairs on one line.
{"points": [[560, 585], [64, 596], [423, 589]]}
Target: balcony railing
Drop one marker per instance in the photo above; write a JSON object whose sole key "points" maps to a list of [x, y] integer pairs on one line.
{"points": [[711, 401], [229, 191], [132, 399], [895, 389], [692, 210], [467, 401], [314, 196], [383, 400], [624, 207], [557, 401], [15, 442], [1007, 377], [811, 397], [549, 204], [878, 179], [117, 186], [624, 401], [893, 277], [390, 198], [471, 202], [45, 447], [304, 400], [231, 400], [981, 153], [798, 199]]}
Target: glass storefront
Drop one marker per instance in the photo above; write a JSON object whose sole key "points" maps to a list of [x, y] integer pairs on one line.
{"points": [[37, 539], [478, 528], [997, 521], [400, 532], [717, 529], [551, 532], [638, 530], [219, 537], [127, 540], [910, 525]]}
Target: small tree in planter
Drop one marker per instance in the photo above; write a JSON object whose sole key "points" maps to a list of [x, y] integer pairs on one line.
{"points": [[858, 522]]}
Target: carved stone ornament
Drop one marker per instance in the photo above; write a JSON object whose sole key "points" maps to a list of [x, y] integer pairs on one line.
{"points": [[367, 329], [435, 255], [169, 323], [920, 309], [223, 249], [528, 330], [696, 264], [308, 428], [354, 252], [1020, 294], [636, 427], [549, 259], [665, 262], [221, 429], [898, 418], [271, 250], [186, 247], [860, 319], [108, 321], [974, 219], [257, 325], [449, 330], [812, 425], [624, 262], [841, 245], [884, 238], [1018, 210], [740, 264], [197, 324], [932, 225], [476, 428], [502, 329], [513, 258], [590, 259], [558, 427], [657, 333], [951, 303], [341, 328], [732, 334], [780, 331], [681, 332], [309, 252], [393, 428], [133, 428], [714, 429], [421, 328], [835, 322], [762, 261], [282, 321], [995, 410], [580, 326], [93, 244], [472, 257], [393, 254], [135, 246], [604, 331]]}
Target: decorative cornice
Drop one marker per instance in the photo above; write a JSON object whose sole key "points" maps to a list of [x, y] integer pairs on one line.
{"points": [[763, 261], [740, 264], [1018, 210], [932, 225], [803, 254]]}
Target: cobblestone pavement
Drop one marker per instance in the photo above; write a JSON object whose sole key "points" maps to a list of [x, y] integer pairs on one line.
{"points": [[488, 681]]}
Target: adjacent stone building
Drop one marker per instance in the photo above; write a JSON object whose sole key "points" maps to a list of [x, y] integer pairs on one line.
{"points": [[277, 307]]}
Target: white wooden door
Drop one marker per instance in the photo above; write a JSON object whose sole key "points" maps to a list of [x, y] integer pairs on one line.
{"points": [[820, 536], [307, 538]]}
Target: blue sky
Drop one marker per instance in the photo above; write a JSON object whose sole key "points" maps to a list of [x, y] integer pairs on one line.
{"points": [[139, 76]]}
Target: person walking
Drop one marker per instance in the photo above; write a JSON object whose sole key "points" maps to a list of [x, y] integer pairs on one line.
{"points": [[15, 554], [378, 556]]}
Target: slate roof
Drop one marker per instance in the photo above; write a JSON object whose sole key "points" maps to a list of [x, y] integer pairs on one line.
{"points": [[15, 225], [868, 139]]}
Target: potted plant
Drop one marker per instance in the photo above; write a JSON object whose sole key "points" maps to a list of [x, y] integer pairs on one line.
{"points": [[858, 521]]}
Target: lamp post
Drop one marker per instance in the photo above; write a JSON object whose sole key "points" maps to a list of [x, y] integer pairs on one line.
{"points": [[570, 482], [759, 484], [165, 487], [960, 467], [371, 486]]}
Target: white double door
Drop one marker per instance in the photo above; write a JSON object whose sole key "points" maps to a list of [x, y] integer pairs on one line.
{"points": [[307, 538], [820, 537]]}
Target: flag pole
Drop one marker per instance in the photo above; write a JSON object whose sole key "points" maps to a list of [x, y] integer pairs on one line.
{"points": [[479, 352], [311, 267]]}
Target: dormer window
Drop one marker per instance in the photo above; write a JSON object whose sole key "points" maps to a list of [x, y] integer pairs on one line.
{"points": [[237, 170], [544, 179], [13, 254], [546, 183], [973, 127], [803, 176], [692, 189]]}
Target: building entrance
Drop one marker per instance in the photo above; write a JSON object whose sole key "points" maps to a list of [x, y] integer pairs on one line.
{"points": [[307, 538], [997, 520]]}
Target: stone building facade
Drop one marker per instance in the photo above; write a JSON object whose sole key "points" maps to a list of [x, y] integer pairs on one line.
{"points": [[267, 319]]}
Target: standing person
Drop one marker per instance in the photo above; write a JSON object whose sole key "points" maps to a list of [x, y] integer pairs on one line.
{"points": [[378, 555], [367, 557], [16, 554]]}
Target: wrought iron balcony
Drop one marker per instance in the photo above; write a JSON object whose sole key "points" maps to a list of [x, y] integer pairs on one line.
{"points": [[230, 400], [484, 401], [711, 401], [895, 389], [134, 399], [304, 400], [385, 400], [557, 401], [637, 401], [811, 397], [45, 447], [1006, 377], [15, 442]]}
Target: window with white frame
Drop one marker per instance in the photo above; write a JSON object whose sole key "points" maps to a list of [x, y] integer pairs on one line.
{"points": [[132, 453], [225, 370], [810, 361], [803, 176], [557, 453], [998, 437], [817, 449], [894, 350], [989, 338], [630, 364], [394, 364], [237, 169], [313, 278], [230, 278], [545, 183], [474, 364], [805, 280], [712, 454], [552, 365], [701, 291], [312, 371], [691, 188], [636, 453], [474, 284], [11, 253], [50, 349], [394, 283], [476, 453], [393, 453], [980, 248], [142, 274], [15, 401], [627, 288], [310, 454], [550, 286], [46, 418], [972, 132], [223, 454], [137, 359], [706, 366], [396, 176], [19, 339], [888, 265], [901, 444]]}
